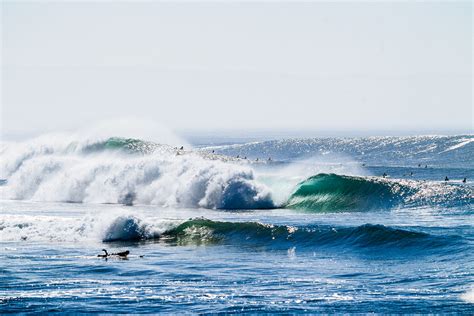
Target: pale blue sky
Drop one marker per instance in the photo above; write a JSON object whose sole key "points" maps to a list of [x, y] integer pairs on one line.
{"points": [[319, 66]]}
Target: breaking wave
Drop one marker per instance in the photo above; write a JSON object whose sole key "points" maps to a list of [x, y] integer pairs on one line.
{"points": [[331, 192], [132, 171], [118, 170]]}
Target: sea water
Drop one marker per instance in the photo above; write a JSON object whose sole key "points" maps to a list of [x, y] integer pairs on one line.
{"points": [[294, 225]]}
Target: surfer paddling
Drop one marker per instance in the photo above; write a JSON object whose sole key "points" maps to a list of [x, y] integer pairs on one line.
{"points": [[122, 254]]}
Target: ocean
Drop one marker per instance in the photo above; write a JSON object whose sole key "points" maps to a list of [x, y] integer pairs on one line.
{"points": [[308, 225]]}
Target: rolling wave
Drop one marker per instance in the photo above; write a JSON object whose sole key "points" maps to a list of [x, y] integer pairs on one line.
{"points": [[254, 233], [331, 192], [202, 231]]}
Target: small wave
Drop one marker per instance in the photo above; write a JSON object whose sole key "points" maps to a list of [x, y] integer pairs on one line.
{"points": [[204, 231], [331, 192]]}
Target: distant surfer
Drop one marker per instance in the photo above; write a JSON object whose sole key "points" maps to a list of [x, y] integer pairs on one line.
{"points": [[181, 148], [384, 175], [426, 166], [213, 151], [446, 179], [269, 158], [464, 180], [238, 156], [256, 159]]}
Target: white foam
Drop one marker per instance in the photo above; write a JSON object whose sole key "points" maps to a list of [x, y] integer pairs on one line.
{"points": [[105, 226], [49, 170], [468, 296]]}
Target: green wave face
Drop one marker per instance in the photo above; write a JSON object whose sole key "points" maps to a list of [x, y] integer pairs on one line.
{"points": [[130, 145], [332, 193]]}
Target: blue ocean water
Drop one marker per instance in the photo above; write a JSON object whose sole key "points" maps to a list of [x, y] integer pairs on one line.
{"points": [[284, 226]]}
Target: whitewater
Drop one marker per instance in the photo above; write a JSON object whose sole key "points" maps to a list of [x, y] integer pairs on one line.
{"points": [[279, 226]]}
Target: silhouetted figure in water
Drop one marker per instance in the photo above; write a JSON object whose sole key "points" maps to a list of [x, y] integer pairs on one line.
{"points": [[122, 254], [181, 148], [256, 159], [446, 179], [245, 157], [213, 151], [269, 158], [238, 156], [411, 174], [426, 166], [363, 165], [384, 175], [419, 165], [464, 180]]}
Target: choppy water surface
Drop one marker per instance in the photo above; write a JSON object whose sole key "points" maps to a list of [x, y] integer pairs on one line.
{"points": [[213, 232]]}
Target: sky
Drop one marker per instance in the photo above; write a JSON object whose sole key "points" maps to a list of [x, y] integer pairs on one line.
{"points": [[204, 66]]}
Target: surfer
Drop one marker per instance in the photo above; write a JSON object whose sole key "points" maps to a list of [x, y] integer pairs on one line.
{"points": [[269, 158], [446, 179], [384, 175], [181, 148], [464, 180], [122, 254]]}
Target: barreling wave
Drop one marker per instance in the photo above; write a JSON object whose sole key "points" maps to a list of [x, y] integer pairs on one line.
{"points": [[331, 192]]}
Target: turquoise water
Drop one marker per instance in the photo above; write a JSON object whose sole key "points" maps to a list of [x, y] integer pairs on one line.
{"points": [[210, 233]]}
